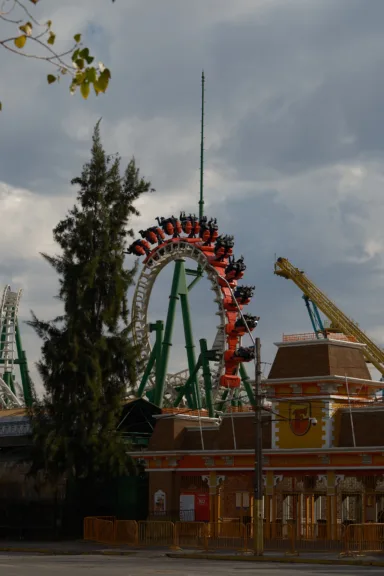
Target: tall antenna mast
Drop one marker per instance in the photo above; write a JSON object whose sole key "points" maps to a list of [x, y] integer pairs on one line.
{"points": [[201, 201]]}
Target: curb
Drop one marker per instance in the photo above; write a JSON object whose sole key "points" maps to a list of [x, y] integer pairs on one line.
{"points": [[48, 552], [282, 560]]}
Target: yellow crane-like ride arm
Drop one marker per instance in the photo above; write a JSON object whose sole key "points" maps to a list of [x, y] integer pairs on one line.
{"points": [[372, 352]]}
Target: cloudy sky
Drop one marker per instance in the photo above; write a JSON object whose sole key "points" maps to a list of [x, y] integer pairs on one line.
{"points": [[294, 144]]}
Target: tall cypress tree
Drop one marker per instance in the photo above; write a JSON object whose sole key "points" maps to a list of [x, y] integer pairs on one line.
{"points": [[87, 355]]}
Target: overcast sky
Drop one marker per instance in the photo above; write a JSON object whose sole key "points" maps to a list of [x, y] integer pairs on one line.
{"points": [[294, 145]]}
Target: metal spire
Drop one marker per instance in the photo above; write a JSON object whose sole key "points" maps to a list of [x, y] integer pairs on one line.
{"points": [[201, 201]]}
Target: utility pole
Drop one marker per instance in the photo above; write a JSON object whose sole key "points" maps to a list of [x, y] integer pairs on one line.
{"points": [[258, 520]]}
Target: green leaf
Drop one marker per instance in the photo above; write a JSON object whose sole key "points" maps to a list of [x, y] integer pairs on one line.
{"points": [[84, 89], [26, 28], [52, 38], [48, 23], [20, 41], [102, 84], [91, 75], [77, 38], [75, 55], [80, 63], [51, 78], [1, 106], [79, 78]]}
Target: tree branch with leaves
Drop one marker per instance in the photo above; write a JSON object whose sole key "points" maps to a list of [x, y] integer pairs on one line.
{"points": [[31, 38]]}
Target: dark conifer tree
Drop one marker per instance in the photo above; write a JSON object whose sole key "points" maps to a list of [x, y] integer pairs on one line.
{"points": [[87, 356]]}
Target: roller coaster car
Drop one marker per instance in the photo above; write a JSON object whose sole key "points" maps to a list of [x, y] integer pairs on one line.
{"points": [[245, 354], [209, 230], [223, 247], [139, 248], [189, 224], [243, 294], [235, 269], [186, 223], [249, 320], [153, 235], [233, 357], [214, 229], [171, 226]]}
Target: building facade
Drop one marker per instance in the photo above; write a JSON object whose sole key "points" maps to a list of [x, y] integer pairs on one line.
{"points": [[323, 447]]}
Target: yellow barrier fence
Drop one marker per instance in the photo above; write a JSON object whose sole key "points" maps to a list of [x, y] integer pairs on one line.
{"points": [[89, 528], [156, 533], [190, 535], [362, 538], [276, 537], [225, 536], [236, 536], [99, 530], [105, 531], [126, 532]]}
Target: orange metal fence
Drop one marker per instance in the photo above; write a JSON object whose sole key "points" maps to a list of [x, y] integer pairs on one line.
{"points": [[225, 536], [156, 533], [99, 530], [288, 537], [126, 532], [362, 538], [190, 534]]}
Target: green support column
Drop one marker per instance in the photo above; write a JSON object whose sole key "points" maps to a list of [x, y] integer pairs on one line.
{"points": [[24, 373], [189, 343], [207, 377], [167, 342], [235, 398], [155, 356], [221, 405], [159, 328], [144, 379], [247, 385], [186, 389]]}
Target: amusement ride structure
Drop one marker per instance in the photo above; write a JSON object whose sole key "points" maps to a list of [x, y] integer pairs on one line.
{"points": [[341, 325], [12, 395], [171, 241]]}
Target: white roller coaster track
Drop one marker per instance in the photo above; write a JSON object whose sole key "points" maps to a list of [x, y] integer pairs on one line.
{"points": [[9, 307], [140, 323]]}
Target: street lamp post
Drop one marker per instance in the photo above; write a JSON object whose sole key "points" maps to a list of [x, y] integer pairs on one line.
{"points": [[258, 520]]}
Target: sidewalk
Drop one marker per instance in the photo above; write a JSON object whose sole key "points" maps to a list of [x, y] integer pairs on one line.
{"points": [[70, 548], [323, 558]]}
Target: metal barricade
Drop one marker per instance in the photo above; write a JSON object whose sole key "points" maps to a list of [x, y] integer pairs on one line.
{"points": [[225, 536], [105, 532], [362, 538], [190, 534], [156, 533], [126, 532], [89, 528]]}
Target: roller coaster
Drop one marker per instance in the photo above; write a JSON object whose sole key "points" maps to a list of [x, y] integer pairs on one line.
{"points": [[174, 240], [12, 355]]}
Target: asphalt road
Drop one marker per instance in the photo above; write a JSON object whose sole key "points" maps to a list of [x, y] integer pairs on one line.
{"points": [[18, 565]]}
